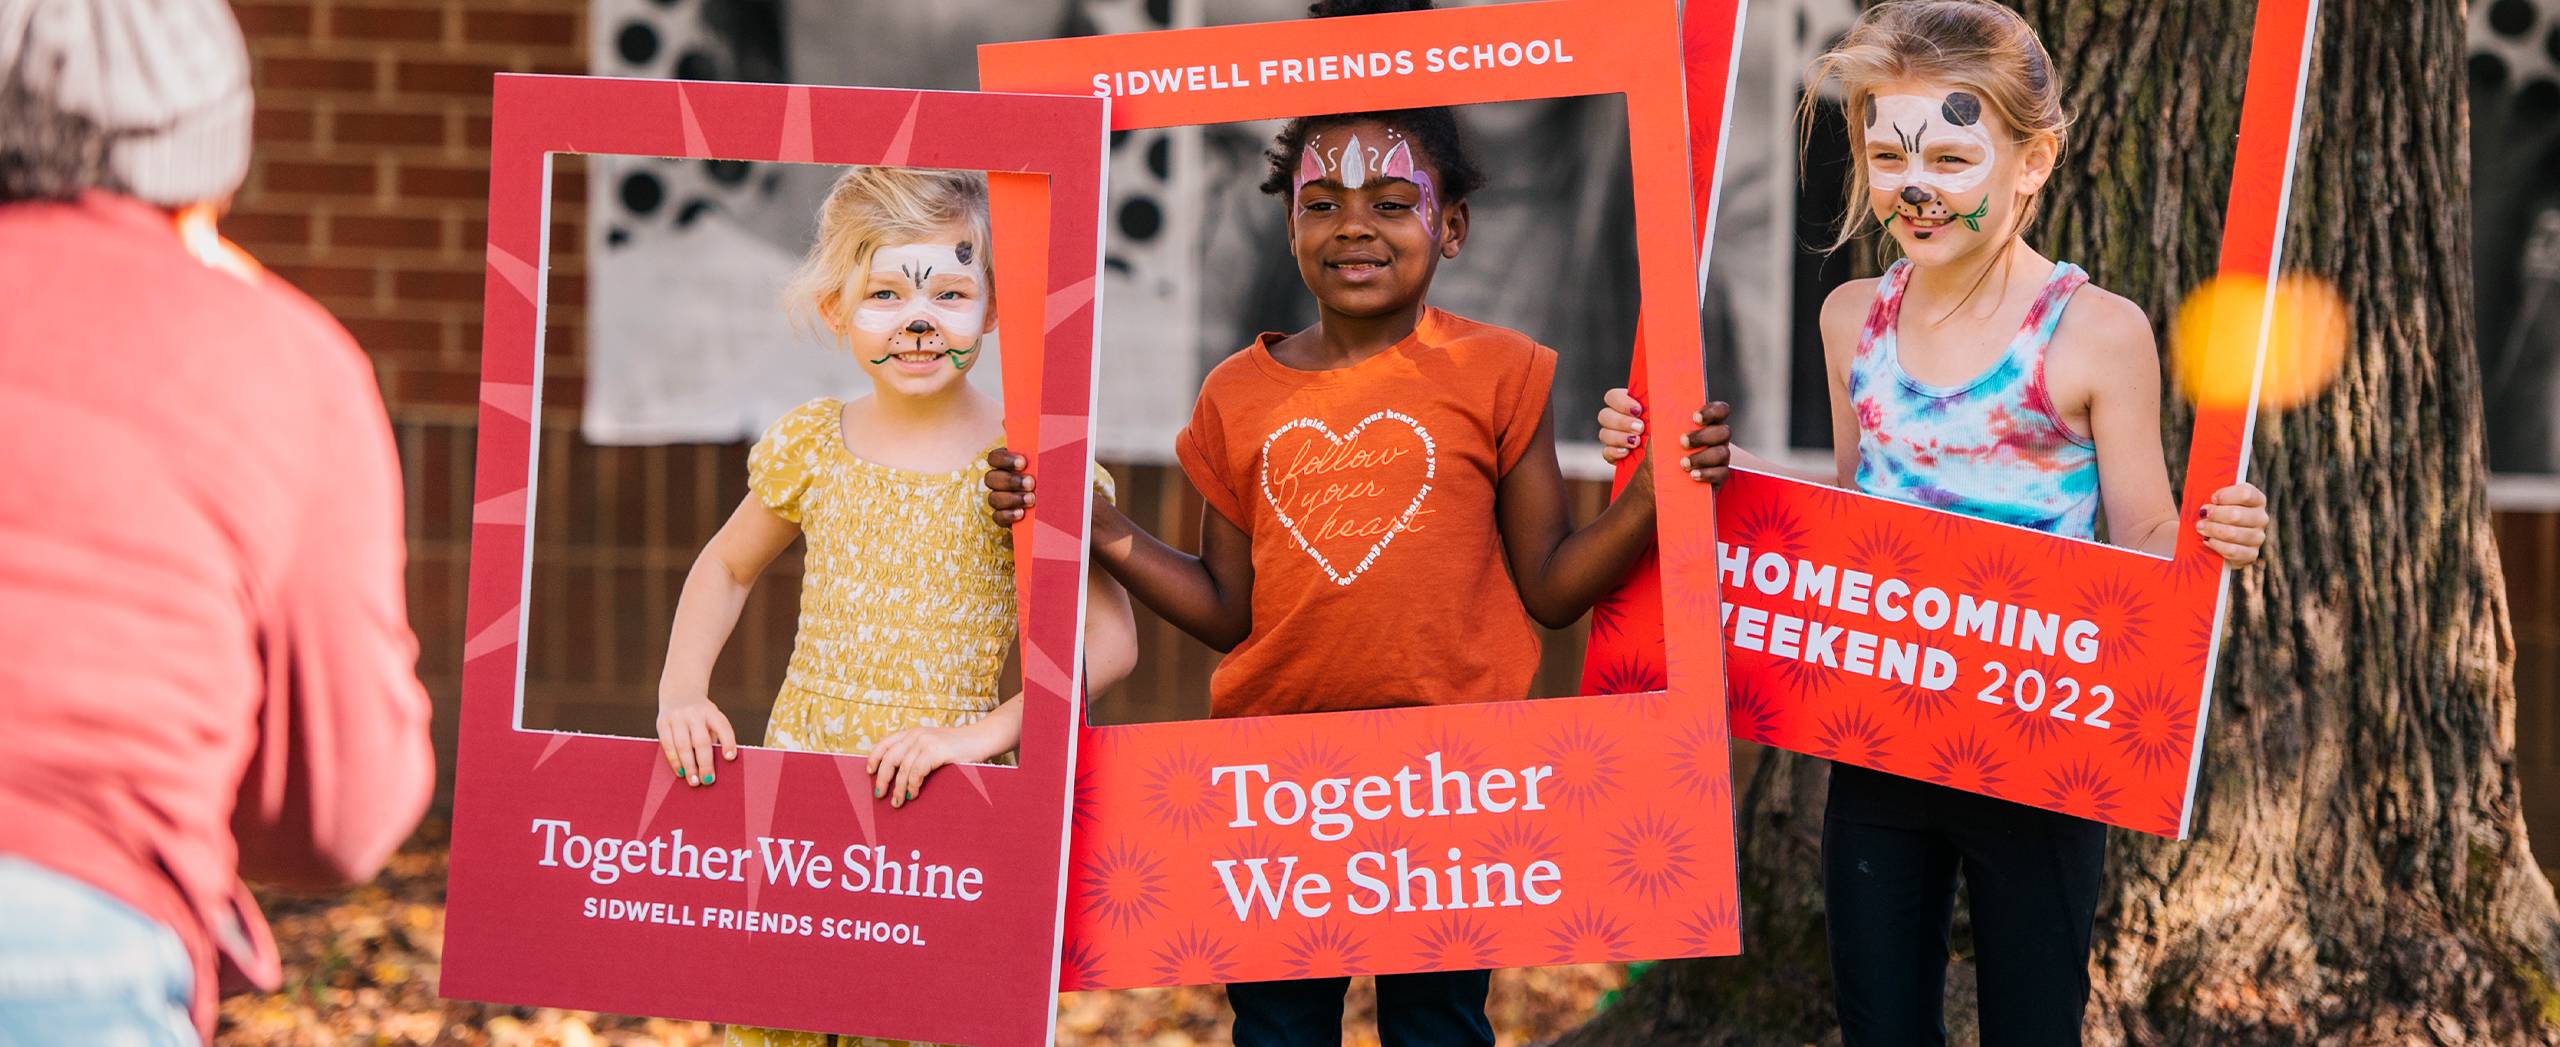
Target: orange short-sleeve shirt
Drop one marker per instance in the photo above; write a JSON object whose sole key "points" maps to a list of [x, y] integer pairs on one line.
{"points": [[1368, 494]]}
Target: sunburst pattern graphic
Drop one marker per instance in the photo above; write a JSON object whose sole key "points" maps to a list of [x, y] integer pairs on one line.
{"points": [[1649, 856], [2164, 821], [1456, 943], [1321, 950], [2034, 728], [1750, 713], [2121, 609], [1966, 763], [1587, 936], [1997, 575], [1701, 762], [1706, 929], [1095, 754], [1586, 763], [1689, 572], [2082, 789], [2152, 725], [1519, 840], [1241, 846], [1194, 957], [1080, 963], [1806, 676], [1885, 552], [1317, 757], [1769, 527], [1631, 673], [1850, 737], [2200, 639], [1122, 885], [1390, 835], [1608, 616], [1919, 703], [1178, 792], [1456, 749]]}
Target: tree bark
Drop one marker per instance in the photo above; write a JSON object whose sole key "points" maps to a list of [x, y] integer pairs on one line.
{"points": [[2359, 872]]}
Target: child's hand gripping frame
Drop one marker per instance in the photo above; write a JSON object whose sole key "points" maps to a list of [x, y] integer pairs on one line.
{"points": [[2090, 695], [758, 901], [1627, 849]]}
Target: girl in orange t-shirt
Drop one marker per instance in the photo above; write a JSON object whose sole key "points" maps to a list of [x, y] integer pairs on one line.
{"points": [[1385, 515]]}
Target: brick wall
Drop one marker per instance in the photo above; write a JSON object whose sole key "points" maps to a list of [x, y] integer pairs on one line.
{"points": [[370, 181], [368, 189]]}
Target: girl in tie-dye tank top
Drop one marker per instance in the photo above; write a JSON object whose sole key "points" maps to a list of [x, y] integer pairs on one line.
{"points": [[1979, 377]]}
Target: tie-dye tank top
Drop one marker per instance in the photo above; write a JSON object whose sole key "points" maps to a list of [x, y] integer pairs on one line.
{"points": [[1994, 447]]}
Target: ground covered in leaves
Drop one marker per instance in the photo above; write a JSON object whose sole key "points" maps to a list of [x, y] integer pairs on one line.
{"points": [[360, 968]]}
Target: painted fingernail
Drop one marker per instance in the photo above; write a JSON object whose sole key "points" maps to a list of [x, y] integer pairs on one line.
{"points": [[1026, 483], [1634, 442], [1639, 426], [708, 778]]}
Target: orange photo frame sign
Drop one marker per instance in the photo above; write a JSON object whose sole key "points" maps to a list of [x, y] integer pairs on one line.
{"points": [[2063, 674], [1195, 857]]}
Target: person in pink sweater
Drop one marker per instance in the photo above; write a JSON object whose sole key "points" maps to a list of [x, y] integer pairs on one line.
{"points": [[206, 668]]}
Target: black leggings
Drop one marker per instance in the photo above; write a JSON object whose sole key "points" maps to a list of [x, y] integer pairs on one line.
{"points": [[1891, 849], [1432, 1009]]}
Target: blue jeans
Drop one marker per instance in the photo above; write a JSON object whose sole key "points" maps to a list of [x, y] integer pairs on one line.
{"points": [[79, 967]]}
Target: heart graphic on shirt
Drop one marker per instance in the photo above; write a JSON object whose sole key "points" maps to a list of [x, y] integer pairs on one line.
{"points": [[1348, 450]]}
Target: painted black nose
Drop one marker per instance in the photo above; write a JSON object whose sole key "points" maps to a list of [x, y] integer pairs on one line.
{"points": [[1914, 195], [919, 327]]}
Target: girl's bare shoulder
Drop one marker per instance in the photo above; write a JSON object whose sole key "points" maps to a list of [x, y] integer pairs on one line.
{"points": [[2103, 329], [1844, 311]]}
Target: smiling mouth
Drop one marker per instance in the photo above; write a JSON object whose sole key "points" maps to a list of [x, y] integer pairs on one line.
{"points": [[1357, 265]]}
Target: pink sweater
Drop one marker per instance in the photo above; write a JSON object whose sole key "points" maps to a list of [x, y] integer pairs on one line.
{"points": [[206, 669]]}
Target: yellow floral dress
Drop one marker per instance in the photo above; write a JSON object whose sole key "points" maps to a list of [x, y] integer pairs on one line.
{"points": [[906, 604]]}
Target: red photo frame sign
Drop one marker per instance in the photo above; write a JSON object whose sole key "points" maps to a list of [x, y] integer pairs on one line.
{"points": [[2090, 692], [1627, 849], [785, 864]]}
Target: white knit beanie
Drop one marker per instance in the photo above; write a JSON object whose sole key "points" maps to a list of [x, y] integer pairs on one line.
{"points": [[166, 81]]}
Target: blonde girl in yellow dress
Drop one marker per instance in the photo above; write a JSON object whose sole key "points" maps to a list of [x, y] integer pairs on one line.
{"points": [[907, 596]]}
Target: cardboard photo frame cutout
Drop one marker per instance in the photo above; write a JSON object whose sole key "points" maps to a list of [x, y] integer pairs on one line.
{"points": [[583, 875], [2091, 695], [1198, 854]]}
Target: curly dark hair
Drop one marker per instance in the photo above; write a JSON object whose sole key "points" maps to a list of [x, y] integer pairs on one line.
{"points": [[45, 153], [1434, 130]]}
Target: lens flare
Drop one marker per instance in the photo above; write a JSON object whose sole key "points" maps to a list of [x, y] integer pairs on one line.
{"points": [[2214, 341]]}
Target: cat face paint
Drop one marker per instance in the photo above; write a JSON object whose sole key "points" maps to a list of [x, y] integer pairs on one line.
{"points": [[1355, 164], [1924, 152], [922, 301]]}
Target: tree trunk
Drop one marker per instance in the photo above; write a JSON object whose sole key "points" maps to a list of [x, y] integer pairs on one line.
{"points": [[2359, 872]]}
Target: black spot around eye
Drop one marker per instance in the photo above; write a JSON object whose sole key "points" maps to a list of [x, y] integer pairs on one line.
{"points": [[2512, 18], [697, 65], [965, 251], [637, 43], [1141, 219], [2540, 98], [1871, 112], [642, 192], [2488, 71], [1961, 109]]}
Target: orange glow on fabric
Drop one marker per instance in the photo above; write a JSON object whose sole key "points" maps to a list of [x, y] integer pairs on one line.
{"points": [[197, 230]]}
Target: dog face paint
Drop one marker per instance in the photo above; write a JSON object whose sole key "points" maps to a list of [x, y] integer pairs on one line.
{"points": [[920, 299], [1922, 153], [1355, 164]]}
